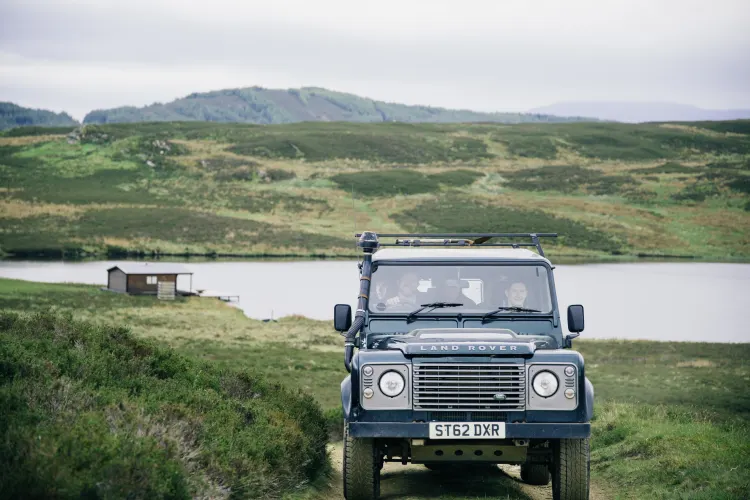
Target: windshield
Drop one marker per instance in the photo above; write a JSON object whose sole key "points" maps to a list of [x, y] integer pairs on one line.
{"points": [[479, 288]]}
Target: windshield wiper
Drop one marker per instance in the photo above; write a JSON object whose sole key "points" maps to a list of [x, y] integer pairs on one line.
{"points": [[432, 305], [508, 308]]}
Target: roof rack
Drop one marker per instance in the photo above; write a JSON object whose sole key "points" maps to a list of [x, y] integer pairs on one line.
{"points": [[463, 239]]}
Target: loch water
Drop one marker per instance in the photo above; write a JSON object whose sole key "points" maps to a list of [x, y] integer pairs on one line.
{"points": [[703, 302]]}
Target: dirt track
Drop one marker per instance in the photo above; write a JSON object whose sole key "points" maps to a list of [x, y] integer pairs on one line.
{"points": [[413, 482]]}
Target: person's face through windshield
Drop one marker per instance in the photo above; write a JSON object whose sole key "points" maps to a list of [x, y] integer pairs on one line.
{"points": [[382, 291], [516, 294], [407, 285]]}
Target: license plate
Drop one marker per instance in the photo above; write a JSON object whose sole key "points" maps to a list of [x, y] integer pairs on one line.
{"points": [[470, 430]]}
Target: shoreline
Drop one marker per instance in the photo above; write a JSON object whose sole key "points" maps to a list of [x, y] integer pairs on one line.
{"points": [[565, 258], [290, 320]]}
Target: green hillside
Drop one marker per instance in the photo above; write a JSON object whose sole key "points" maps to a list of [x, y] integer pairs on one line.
{"points": [[199, 188], [12, 115], [273, 106], [91, 411]]}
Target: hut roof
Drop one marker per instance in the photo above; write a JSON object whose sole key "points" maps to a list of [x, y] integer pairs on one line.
{"points": [[151, 268]]}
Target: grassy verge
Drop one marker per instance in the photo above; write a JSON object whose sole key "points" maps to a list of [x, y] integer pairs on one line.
{"points": [[89, 410], [670, 418], [297, 190]]}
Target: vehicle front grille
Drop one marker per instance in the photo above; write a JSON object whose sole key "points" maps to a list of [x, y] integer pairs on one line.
{"points": [[467, 416], [467, 387]]}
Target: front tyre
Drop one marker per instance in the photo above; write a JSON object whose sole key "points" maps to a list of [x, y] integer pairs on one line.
{"points": [[361, 468], [570, 469], [535, 474]]}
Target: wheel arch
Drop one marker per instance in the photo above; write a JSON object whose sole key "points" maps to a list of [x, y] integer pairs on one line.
{"points": [[346, 396]]}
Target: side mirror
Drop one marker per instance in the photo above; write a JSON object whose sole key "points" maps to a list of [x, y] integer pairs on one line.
{"points": [[575, 318], [342, 317]]}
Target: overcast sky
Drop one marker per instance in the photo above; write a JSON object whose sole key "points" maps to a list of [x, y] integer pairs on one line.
{"points": [[495, 55]]}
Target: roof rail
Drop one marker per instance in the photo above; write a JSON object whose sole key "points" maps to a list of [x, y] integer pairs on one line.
{"points": [[463, 239]]}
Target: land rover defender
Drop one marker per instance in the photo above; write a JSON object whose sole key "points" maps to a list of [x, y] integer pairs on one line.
{"points": [[461, 359]]}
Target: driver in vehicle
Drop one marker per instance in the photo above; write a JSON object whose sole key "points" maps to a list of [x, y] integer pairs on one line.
{"points": [[382, 289], [515, 295], [407, 292]]}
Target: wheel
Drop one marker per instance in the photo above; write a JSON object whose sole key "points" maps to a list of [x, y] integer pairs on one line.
{"points": [[361, 468], [570, 469], [535, 474]]}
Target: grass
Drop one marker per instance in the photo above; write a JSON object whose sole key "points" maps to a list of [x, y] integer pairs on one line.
{"points": [[649, 451], [297, 189], [671, 419], [392, 143], [89, 410]]}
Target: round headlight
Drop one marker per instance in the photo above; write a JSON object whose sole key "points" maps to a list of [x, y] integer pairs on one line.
{"points": [[392, 384], [545, 384]]}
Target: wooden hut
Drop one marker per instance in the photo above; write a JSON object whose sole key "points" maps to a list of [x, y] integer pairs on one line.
{"points": [[143, 278]]}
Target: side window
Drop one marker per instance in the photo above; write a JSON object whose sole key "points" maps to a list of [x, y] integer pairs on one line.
{"points": [[425, 285], [150, 280]]}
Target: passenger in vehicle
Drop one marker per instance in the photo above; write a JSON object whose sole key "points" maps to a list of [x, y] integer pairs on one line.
{"points": [[516, 294], [406, 295]]}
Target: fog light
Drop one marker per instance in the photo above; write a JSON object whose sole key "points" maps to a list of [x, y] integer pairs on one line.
{"points": [[570, 393], [367, 371], [368, 393], [569, 371]]}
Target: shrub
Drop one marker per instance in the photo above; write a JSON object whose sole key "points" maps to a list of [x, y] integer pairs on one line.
{"points": [[457, 178], [88, 410], [267, 201], [567, 179], [387, 182], [696, 192], [710, 183], [243, 173], [732, 126], [667, 168], [740, 183], [534, 146], [279, 174], [402, 181]]}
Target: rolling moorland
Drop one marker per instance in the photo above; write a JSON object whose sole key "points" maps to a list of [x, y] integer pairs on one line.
{"points": [[189, 384], [612, 191]]}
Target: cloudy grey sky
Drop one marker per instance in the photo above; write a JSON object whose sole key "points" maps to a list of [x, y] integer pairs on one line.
{"points": [[495, 55]]}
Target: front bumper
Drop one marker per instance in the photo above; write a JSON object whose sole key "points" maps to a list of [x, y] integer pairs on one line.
{"points": [[512, 431]]}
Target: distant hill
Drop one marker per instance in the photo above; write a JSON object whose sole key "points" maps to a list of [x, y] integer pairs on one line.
{"points": [[636, 112], [271, 106], [12, 115]]}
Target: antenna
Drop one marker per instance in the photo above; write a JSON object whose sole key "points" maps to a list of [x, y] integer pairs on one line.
{"points": [[354, 214]]}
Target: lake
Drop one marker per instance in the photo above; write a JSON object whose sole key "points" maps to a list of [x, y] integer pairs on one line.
{"points": [[657, 301]]}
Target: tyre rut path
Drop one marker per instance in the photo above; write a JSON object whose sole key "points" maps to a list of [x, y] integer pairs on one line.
{"points": [[414, 482]]}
